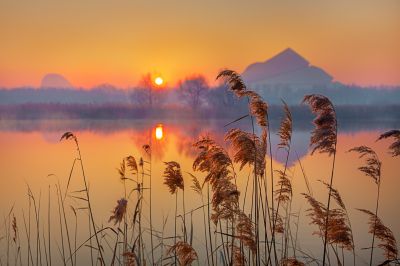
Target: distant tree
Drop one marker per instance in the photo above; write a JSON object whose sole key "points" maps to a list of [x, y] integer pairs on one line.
{"points": [[193, 90], [147, 94]]}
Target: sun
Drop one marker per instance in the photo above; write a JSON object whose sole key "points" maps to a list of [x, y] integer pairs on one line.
{"points": [[158, 81]]}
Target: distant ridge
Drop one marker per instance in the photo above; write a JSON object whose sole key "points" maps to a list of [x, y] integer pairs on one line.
{"points": [[55, 81], [288, 67]]}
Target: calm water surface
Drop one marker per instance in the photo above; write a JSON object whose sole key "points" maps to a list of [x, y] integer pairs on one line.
{"points": [[31, 155]]}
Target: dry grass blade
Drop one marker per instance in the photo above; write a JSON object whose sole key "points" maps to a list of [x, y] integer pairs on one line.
{"points": [[324, 136], [68, 135], [173, 176], [395, 146], [248, 149], [384, 234], [119, 211], [291, 262], [185, 253], [15, 229], [373, 164], [286, 128]]}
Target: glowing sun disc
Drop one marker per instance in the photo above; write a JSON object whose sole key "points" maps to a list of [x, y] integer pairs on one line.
{"points": [[159, 132], [159, 81]]}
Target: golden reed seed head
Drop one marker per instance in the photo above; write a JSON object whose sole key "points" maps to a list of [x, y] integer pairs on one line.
{"points": [[119, 211]]}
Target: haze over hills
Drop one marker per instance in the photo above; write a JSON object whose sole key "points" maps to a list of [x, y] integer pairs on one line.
{"points": [[287, 76], [55, 81], [286, 68]]}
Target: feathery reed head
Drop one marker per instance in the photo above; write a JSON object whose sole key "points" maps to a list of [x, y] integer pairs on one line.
{"points": [[238, 258], [324, 136], [147, 148], [245, 231], [248, 149], [131, 259], [225, 199], [68, 135], [234, 81], [383, 233], [185, 253], [338, 231], [395, 146], [196, 185], [284, 193], [373, 164], [258, 107], [121, 171], [119, 211], [131, 163], [212, 159], [286, 128], [173, 176]]}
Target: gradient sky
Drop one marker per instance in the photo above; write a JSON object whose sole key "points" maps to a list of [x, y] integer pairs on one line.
{"points": [[103, 41]]}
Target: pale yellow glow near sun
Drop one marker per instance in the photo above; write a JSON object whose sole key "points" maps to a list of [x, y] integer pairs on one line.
{"points": [[159, 81]]}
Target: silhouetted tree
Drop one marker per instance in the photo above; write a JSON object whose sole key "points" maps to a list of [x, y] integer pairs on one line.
{"points": [[192, 90]]}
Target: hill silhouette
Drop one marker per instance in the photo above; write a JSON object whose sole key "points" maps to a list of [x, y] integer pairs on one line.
{"points": [[286, 68]]}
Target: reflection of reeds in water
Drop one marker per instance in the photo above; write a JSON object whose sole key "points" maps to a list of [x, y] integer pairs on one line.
{"points": [[257, 232]]}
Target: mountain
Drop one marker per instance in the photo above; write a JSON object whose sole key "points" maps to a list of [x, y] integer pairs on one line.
{"points": [[55, 81], [286, 68]]}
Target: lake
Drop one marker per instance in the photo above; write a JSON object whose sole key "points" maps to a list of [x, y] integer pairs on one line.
{"points": [[32, 155]]}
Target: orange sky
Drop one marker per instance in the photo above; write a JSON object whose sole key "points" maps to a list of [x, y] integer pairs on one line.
{"points": [[98, 41]]}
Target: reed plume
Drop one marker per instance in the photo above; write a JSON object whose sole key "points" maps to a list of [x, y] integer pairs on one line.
{"points": [[225, 200], [185, 253], [395, 146], [131, 163], [291, 262], [173, 177], [278, 228], [196, 185], [324, 136], [245, 231], [286, 128], [119, 211], [373, 164], [212, 159], [384, 234], [338, 231], [248, 149], [131, 259], [284, 193], [238, 258]]}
